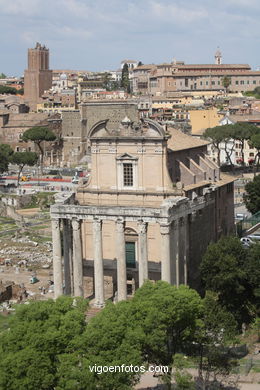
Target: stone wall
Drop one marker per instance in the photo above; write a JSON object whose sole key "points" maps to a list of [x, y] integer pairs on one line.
{"points": [[77, 124], [115, 112], [202, 231], [72, 137]]}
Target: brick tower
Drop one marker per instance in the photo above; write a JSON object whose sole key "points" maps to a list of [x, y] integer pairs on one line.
{"points": [[38, 76]]}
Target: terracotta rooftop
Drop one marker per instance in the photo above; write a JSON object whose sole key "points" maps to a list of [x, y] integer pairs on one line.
{"points": [[224, 179], [215, 66], [181, 141], [150, 66], [132, 61], [216, 73]]}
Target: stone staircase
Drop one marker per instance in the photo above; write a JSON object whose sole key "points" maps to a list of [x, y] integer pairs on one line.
{"points": [[92, 312]]}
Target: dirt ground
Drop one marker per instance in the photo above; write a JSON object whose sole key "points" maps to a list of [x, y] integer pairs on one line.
{"points": [[152, 383], [9, 273]]}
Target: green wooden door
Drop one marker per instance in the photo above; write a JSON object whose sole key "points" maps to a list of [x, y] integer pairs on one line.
{"points": [[130, 254]]}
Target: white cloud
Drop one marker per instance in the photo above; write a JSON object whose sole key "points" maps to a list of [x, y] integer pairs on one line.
{"points": [[244, 3], [177, 13], [20, 7], [69, 32], [75, 8], [113, 29]]}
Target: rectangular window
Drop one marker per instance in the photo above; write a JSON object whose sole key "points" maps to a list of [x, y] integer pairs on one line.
{"points": [[128, 175], [213, 82], [254, 81], [236, 82], [229, 187]]}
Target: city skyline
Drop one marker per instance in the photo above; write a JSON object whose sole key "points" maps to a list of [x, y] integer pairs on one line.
{"points": [[84, 35]]}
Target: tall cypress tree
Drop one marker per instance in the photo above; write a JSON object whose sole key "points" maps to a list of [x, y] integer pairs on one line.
{"points": [[125, 83]]}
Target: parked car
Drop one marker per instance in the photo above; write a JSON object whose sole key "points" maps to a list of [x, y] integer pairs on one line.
{"points": [[246, 242], [240, 216], [254, 236], [25, 178]]}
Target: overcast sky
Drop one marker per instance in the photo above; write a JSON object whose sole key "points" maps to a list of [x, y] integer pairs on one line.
{"points": [[98, 34]]}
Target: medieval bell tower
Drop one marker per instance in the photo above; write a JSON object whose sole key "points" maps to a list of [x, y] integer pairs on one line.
{"points": [[38, 76]]}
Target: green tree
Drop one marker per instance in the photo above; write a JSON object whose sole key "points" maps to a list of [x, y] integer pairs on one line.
{"points": [[39, 334], [107, 81], [20, 91], [2, 76], [168, 317], [216, 136], [140, 63], [5, 154], [226, 82], [252, 195], [125, 82], [7, 90], [24, 158], [224, 270], [243, 132], [254, 142], [253, 273], [39, 135], [111, 339], [215, 332]]}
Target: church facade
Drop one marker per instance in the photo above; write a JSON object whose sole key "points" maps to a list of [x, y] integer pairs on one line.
{"points": [[152, 205]]}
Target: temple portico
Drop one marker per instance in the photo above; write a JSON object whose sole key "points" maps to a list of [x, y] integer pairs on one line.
{"points": [[172, 218]]}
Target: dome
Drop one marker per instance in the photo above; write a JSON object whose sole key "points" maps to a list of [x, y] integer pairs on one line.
{"points": [[63, 76]]}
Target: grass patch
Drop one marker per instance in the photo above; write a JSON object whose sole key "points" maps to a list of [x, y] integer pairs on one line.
{"points": [[42, 199], [4, 322], [256, 368], [39, 227]]}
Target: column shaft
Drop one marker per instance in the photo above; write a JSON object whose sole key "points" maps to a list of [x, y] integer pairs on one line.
{"points": [[77, 259], [166, 253], [67, 256], [98, 263], [142, 253], [121, 260], [57, 263], [186, 249], [175, 254]]}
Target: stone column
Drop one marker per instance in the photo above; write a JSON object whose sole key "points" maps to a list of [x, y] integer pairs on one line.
{"points": [[77, 259], [98, 263], [166, 253], [67, 252], [142, 252], [175, 254], [57, 264], [182, 248], [187, 247], [121, 260]]}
